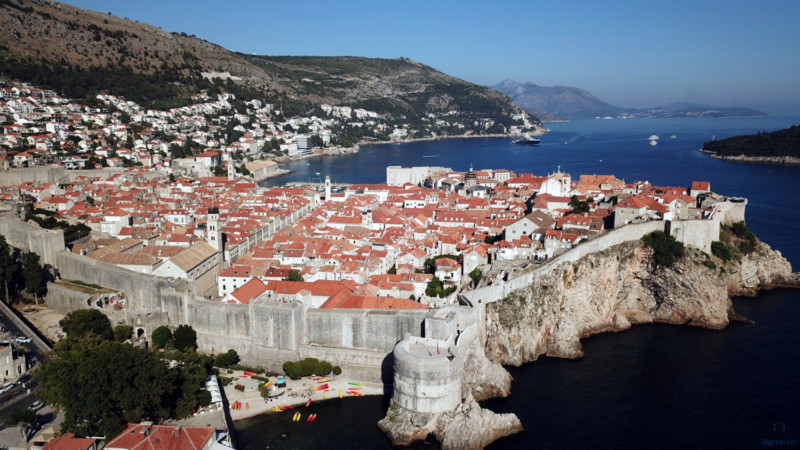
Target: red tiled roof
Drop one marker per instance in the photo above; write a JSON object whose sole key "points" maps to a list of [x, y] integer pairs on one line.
{"points": [[161, 437]]}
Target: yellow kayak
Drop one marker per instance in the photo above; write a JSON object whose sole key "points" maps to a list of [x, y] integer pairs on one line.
{"points": [[340, 392]]}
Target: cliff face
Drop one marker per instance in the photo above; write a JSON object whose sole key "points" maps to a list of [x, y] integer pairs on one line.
{"points": [[613, 289]]}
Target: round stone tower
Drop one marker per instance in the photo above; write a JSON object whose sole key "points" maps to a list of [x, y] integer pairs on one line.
{"points": [[427, 375]]}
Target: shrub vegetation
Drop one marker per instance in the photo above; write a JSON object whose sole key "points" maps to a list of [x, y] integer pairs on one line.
{"points": [[666, 249], [306, 367]]}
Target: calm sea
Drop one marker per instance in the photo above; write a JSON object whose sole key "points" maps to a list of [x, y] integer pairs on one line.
{"points": [[653, 386]]}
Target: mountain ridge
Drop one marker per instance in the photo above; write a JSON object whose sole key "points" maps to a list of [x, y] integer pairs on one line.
{"points": [[81, 53], [567, 102]]}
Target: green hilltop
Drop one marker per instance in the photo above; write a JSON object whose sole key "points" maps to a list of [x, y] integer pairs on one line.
{"points": [[777, 143]]}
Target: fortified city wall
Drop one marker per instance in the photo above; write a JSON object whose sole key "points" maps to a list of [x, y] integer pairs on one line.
{"points": [[267, 333], [398, 176], [30, 238], [52, 174]]}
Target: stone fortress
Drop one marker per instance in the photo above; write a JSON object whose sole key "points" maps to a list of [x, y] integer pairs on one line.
{"points": [[417, 354]]}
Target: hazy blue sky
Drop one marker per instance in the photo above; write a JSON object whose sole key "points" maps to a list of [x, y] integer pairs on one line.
{"points": [[628, 53]]}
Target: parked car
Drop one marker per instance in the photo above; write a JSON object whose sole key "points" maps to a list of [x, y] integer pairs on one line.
{"points": [[37, 405], [23, 340], [6, 387]]}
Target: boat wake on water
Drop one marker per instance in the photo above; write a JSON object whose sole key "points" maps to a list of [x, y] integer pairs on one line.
{"points": [[429, 156]]}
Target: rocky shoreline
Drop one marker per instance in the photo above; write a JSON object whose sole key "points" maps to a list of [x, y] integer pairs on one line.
{"points": [[605, 291], [782, 160], [617, 288]]}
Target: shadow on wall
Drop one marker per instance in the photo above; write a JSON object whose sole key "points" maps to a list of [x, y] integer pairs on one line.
{"points": [[387, 377]]}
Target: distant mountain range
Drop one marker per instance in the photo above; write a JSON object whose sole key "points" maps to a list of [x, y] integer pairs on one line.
{"points": [[566, 102]]}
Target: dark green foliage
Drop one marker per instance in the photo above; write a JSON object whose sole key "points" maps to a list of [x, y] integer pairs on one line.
{"points": [[666, 249], [436, 288], [220, 171], [185, 338], [239, 387], [337, 370], [158, 90], [227, 359], [35, 280], [721, 251], [294, 276], [306, 367], [10, 274], [71, 232], [777, 143], [193, 369], [22, 416], [749, 240], [161, 336], [492, 239], [578, 206], [103, 385], [122, 332], [85, 321], [710, 264], [476, 276]]}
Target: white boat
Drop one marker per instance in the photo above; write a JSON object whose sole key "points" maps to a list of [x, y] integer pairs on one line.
{"points": [[673, 137], [526, 140], [653, 142], [653, 137]]}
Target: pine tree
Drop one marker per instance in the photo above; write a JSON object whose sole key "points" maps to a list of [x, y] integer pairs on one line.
{"points": [[33, 271], [9, 269]]}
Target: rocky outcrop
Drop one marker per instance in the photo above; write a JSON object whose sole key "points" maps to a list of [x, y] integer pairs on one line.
{"points": [[604, 291], [785, 160], [481, 378], [616, 288], [467, 427]]}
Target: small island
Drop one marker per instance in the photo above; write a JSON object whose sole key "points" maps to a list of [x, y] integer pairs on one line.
{"points": [[777, 147]]}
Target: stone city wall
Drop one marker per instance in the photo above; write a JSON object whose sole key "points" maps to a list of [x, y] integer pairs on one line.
{"points": [[732, 211], [40, 174], [697, 233], [364, 329], [28, 237], [142, 291]]}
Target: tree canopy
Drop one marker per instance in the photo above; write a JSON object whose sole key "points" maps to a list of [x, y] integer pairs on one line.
{"points": [[578, 206], [35, 280], [84, 321], [227, 359], [101, 385], [184, 338], [777, 143], [122, 333], [294, 276], [9, 269], [161, 336]]}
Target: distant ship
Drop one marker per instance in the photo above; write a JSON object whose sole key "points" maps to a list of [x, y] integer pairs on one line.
{"points": [[653, 137], [527, 140], [653, 142]]}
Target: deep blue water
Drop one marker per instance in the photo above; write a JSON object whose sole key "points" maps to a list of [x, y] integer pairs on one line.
{"points": [[653, 386]]}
